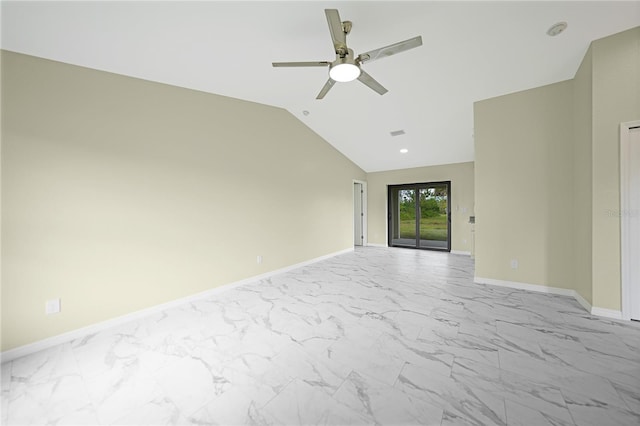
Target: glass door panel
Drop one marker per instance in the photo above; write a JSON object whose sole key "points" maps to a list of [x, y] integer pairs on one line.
{"points": [[434, 217], [404, 226]]}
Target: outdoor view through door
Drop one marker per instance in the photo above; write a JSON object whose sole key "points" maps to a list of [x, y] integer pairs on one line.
{"points": [[419, 216]]}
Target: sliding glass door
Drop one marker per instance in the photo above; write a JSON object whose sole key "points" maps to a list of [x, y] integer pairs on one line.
{"points": [[419, 216]]}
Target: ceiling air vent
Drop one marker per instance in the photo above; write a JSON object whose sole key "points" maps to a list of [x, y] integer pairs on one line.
{"points": [[397, 132]]}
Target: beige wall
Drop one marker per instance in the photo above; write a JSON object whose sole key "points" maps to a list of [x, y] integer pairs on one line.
{"points": [[557, 147], [119, 194], [523, 181], [461, 177], [582, 176], [616, 99]]}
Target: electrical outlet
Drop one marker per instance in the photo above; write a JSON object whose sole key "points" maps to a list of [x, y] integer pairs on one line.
{"points": [[259, 259], [52, 306], [514, 263]]}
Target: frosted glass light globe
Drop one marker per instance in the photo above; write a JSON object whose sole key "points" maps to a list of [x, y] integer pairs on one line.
{"points": [[344, 72]]}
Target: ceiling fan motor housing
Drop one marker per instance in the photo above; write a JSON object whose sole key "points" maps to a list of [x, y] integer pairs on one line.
{"points": [[344, 68]]}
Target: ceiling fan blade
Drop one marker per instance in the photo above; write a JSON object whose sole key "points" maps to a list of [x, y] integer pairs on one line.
{"points": [[372, 83], [337, 31], [327, 86], [392, 49], [301, 64]]}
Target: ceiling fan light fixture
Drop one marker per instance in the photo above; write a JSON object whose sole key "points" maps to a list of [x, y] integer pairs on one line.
{"points": [[344, 72], [346, 66]]}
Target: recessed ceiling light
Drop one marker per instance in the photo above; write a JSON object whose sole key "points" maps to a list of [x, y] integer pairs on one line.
{"points": [[556, 29], [305, 112], [404, 150]]}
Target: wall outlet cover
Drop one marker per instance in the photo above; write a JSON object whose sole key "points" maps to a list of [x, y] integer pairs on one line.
{"points": [[52, 306]]}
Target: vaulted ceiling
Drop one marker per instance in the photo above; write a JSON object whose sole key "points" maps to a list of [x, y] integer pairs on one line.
{"points": [[471, 51]]}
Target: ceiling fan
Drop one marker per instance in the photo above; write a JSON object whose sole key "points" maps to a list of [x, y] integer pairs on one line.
{"points": [[346, 67]]}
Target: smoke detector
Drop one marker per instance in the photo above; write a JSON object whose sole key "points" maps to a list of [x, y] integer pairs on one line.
{"points": [[556, 29]]}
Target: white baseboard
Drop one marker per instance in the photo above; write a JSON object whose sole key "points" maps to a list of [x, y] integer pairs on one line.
{"points": [[525, 286], [593, 310], [376, 245], [583, 302], [103, 325], [607, 313]]}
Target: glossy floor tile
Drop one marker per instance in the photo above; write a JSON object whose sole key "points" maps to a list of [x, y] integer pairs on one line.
{"points": [[378, 336]]}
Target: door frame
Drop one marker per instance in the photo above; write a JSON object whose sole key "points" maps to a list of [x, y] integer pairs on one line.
{"points": [[417, 187], [364, 209], [625, 216]]}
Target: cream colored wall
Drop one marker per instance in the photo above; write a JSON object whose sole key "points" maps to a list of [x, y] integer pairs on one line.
{"points": [[524, 182], [616, 99], [461, 177], [604, 93], [582, 176], [121, 194]]}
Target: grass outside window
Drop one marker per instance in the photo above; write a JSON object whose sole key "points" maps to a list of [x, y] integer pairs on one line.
{"points": [[431, 228]]}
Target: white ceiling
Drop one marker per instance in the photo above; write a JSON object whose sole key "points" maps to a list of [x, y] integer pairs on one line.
{"points": [[472, 51]]}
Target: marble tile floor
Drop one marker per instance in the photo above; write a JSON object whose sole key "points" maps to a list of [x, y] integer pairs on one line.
{"points": [[378, 336]]}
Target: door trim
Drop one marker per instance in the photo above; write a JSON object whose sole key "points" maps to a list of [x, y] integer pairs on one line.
{"points": [[416, 187], [625, 216], [364, 209]]}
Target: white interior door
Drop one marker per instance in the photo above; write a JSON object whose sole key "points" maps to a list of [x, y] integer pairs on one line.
{"points": [[633, 220], [358, 214]]}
